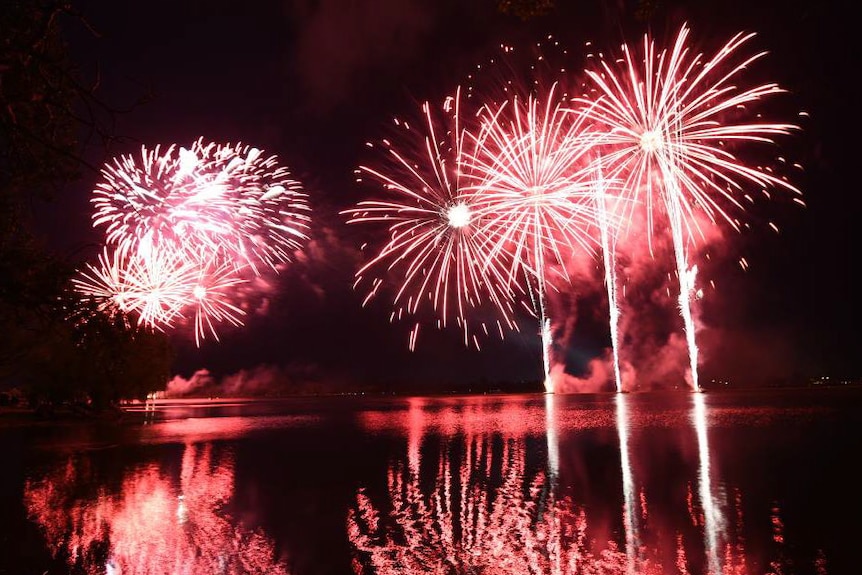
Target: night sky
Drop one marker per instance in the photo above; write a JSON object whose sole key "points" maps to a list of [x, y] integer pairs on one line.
{"points": [[312, 81]]}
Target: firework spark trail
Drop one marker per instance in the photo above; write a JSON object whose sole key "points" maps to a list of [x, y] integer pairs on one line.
{"points": [[187, 226], [531, 156], [604, 217], [687, 276], [104, 284], [667, 116], [161, 198], [155, 288], [268, 208], [439, 238], [211, 298], [161, 288]]}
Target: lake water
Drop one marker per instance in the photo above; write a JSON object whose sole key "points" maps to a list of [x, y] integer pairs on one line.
{"points": [[749, 483]]}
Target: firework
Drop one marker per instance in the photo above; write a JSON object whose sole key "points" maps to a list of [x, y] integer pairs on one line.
{"points": [[533, 171], [210, 198], [440, 250], [186, 227], [670, 119], [270, 213]]}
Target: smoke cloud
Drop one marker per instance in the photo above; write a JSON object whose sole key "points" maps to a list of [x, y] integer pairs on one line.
{"points": [[653, 348], [599, 377], [259, 381]]}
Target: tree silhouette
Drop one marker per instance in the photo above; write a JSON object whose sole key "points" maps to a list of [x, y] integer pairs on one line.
{"points": [[49, 116]]}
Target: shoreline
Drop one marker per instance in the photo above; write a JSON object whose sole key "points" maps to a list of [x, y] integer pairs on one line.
{"points": [[127, 410], [17, 414]]}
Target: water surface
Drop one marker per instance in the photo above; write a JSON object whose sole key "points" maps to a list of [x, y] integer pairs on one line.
{"points": [[735, 483]]}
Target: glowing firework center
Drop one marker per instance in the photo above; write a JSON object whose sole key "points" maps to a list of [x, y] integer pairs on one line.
{"points": [[651, 141], [459, 215]]}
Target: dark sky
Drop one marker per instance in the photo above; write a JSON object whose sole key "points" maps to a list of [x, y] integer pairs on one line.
{"points": [[311, 81]]}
